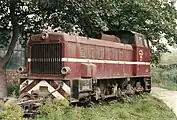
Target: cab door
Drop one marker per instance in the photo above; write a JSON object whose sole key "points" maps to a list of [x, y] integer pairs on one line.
{"points": [[141, 56]]}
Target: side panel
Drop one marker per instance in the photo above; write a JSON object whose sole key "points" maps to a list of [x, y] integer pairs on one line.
{"points": [[128, 56], [109, 61], [71, 52]]}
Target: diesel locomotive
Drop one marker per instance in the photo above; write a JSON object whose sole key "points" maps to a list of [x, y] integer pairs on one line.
{"points": [[77, 68]]}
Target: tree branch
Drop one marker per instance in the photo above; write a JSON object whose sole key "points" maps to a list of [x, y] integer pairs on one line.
{"points": [[15, 33]]}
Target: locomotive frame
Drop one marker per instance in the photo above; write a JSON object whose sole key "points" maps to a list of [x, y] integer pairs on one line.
{"points": [[78, 68]]}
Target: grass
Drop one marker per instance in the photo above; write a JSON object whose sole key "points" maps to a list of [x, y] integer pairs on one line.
{"points": [[143, 108]]}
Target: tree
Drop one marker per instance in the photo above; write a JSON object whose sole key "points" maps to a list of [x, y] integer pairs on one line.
{"points": [[15, 32], [154, 18], [15, 20]]}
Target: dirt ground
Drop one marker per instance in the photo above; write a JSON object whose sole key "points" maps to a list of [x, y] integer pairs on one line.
{"points": [[169, 97]]}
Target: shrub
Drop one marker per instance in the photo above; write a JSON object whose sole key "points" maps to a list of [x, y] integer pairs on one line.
{"points": [[13, 89], [10, 111], [58, 110], [164, 78]]}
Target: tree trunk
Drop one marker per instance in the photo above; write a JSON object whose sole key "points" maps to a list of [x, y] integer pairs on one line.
{"points": [[3, 82], [14, 39]]}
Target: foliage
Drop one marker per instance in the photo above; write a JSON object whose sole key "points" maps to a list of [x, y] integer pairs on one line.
{"points": [[164, 78], [165, 74], [13, 89], [58, 109], [10, 111], [154, 18], [141, 108], [4, 36], [52, 106]]}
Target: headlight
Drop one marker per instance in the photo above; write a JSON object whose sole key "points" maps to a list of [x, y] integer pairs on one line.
{"points": [[21, 69], [45, 36], [65, 70]]}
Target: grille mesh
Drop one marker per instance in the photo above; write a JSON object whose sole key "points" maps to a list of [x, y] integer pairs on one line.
{"points": [[46, 58]]}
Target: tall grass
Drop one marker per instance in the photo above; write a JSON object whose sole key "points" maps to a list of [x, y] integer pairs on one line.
{"points": [[143, 108]]}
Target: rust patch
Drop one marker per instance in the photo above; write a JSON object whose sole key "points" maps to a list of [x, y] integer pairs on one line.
{"points": [[60, 90], [28, 87]]}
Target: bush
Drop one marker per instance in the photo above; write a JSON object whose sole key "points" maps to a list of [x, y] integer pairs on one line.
{"points": [[156, 74], [170, 75], [10, 111], [13, 89], [58, 110], [164, 78]]}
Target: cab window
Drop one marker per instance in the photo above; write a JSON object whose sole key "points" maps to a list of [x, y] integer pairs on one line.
{"points": [[145, 43], [139, 41]]}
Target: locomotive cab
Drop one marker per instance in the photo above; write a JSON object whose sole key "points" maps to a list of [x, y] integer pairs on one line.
{"points": [[141, 49], [129, 37]]}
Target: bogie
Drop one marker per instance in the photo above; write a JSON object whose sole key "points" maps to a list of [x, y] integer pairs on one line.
{"points": [[119, 87]]}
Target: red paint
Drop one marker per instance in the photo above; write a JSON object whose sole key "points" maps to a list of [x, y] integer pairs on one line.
{"points": [[98, 49]]}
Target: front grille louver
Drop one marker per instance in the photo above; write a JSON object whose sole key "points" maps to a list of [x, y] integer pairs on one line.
{"points": [[46, 58]]}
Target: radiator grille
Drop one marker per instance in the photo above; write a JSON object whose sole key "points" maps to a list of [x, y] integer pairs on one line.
{"points": [[46, 58]]}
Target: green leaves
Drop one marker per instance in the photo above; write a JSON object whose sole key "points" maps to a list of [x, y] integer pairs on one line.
{"points": [[10, 110], [154, 18], [4, 38]]}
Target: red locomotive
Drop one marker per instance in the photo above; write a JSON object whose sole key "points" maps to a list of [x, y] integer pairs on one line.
{"points": [[80, 68]]}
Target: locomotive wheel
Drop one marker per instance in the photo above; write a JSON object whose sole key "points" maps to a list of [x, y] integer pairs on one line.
{"points": [[139, 87], [25, 97]]}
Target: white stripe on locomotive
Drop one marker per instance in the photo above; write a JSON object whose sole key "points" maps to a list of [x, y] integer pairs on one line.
{"points": [[101, 61]]}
